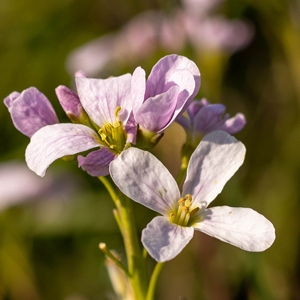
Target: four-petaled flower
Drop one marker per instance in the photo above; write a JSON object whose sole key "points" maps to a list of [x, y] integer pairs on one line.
{"points": [[144, 179], [204, 118]]}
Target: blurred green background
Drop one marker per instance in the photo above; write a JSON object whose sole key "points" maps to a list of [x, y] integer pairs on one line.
{"points": [[49, 243]]}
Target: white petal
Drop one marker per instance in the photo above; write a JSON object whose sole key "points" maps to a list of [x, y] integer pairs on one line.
{"points": [[55, 141], [215, 160], [144, 179], [241, 227], [138, 87], [101, 97], [165, 240]]}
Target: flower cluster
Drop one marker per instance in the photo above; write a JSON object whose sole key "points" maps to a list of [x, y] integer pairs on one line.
{"points": [[119, 118], [110, 114]]}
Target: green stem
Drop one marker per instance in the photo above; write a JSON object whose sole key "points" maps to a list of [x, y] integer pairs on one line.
{"points": [[136, 266], [125, 220], [153, 281], [182, 171]]}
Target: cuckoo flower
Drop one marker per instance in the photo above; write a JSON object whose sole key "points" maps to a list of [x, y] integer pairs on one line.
{"points": [[108, 104], [204, 118], [144, 179], [30, 110], [172, 84]]}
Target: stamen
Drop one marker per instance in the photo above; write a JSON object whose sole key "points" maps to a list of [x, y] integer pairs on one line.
{"points": [[194, 211], [171, 217], [188, 197], [186, 220], [178, 214], [118, 108], [182, 215], [180, 200], [113, 135], [188, 203]]}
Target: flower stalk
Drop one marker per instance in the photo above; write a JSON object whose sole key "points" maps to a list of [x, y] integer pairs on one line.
{"points": [[125, 219], [153, 281]]}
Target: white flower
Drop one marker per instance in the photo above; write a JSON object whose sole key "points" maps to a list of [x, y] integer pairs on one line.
{"points": [[144, 179]]}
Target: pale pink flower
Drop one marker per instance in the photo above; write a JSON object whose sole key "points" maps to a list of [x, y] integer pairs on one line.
{"points": [[144, 179]]}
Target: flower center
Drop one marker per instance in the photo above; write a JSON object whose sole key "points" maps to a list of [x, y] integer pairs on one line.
{"points": [[183, 214], [113, 135]]}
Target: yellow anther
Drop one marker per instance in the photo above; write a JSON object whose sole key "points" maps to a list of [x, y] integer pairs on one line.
{"points": [[188, 203], [118, 108], [180, 200], [188, 197], [184, 212]]}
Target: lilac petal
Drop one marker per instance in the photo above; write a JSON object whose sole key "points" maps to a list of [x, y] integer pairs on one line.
{"points": [[184, 122], [131, 130], [215, 160], [157, 111], [209, 118], [96, 162], [55, 141], [184, 79], [101, 97], [159, 78], [194, 108], [234, 124], [9, 100], [241, 227], [30, 111], [165, 240], [69, 101], [144, 179]]}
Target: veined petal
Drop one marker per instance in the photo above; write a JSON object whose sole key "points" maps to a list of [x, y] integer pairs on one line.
{"points": [[209, 118], [159, 78], [194, 108], [144, 179], [241, 227], [101, 97], [96, 163], [55, 141], [165, 240], [30, 111], [157, 111], [215, 160], [185, 81], [69, 101]]}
